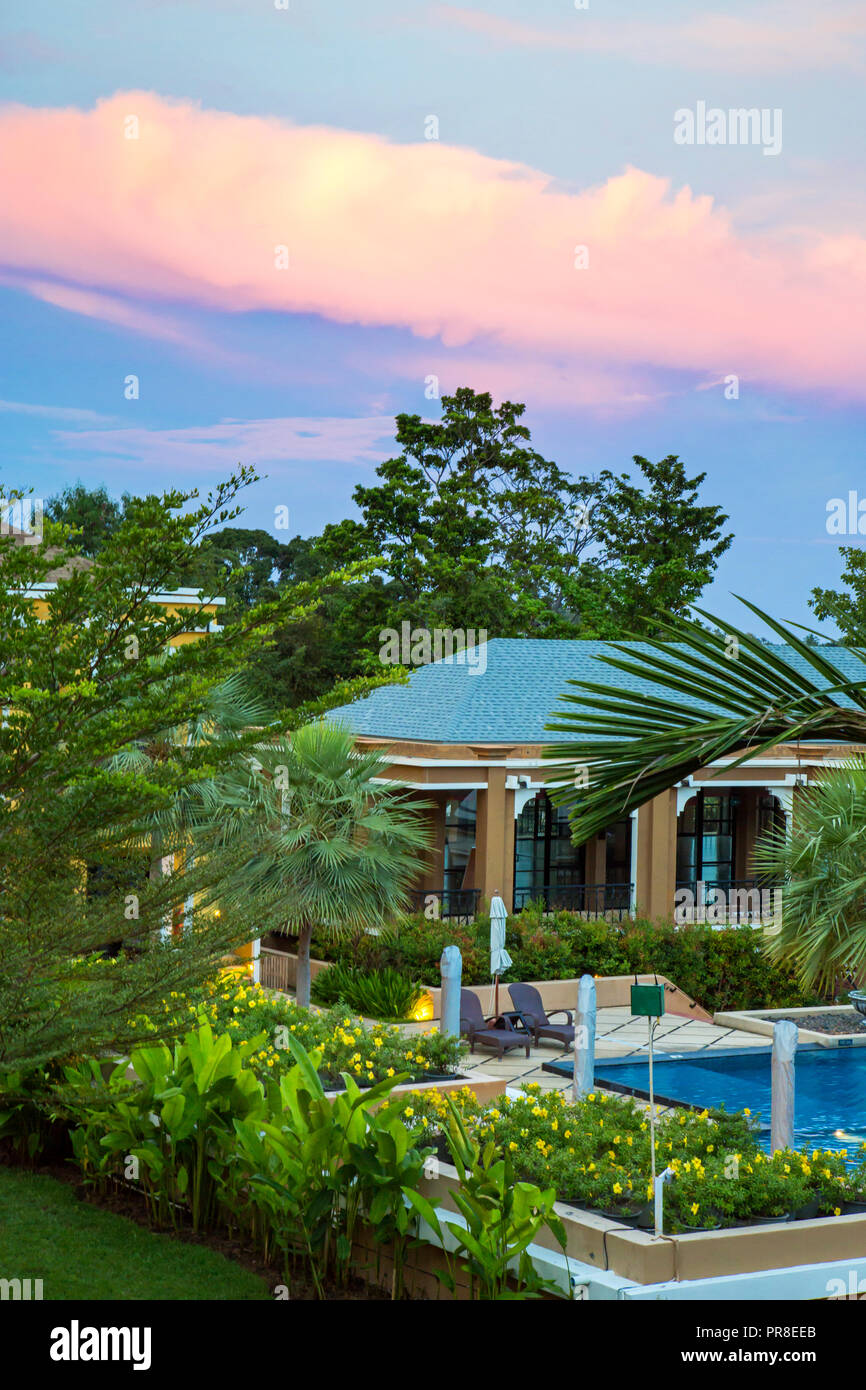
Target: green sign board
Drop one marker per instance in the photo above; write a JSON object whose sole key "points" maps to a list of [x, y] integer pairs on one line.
{"points": [[648, 1001]]}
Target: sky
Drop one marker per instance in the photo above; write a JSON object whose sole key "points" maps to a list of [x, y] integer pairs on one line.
{"points": [[252, 231]]}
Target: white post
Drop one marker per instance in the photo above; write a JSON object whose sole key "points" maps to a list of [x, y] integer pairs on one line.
{"points": [[658, 1200], [652, 1110], [583, 1079], [451, 966], [632, 893], [257, 961], [782, 1102]]}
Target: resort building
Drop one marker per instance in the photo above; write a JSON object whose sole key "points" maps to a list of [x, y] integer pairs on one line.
{"points": [[469, 739]]}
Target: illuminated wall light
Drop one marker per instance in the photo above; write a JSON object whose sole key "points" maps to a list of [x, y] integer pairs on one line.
{"points": [[423, 1009]]}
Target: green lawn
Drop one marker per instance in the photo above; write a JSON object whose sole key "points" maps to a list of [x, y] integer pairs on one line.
{"points": [[82, 1252]]}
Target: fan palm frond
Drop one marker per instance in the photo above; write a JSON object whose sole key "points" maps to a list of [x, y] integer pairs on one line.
{"points": [[821, 864]]}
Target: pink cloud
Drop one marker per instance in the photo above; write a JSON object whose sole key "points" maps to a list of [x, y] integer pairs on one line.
{"points": [[769, 37], [565, 384], [293, 439], [475, 252]]}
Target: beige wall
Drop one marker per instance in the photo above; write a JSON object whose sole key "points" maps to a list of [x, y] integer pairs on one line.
{"points": [[655, 870], [494, 839]]}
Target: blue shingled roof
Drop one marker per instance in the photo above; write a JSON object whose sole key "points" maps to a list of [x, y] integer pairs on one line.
{"points": [[513, 699]]}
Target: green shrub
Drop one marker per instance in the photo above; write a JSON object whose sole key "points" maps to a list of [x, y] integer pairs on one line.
{"points": [[387, 994], [414, 947], [724, 968]]}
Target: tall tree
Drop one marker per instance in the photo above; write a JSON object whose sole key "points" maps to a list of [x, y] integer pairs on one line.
{"points": [[658, 548], [470, 527], [477, 529], [84, 680]]}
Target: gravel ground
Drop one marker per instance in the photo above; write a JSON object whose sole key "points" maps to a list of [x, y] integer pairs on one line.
{"points": [[849, 1022]]}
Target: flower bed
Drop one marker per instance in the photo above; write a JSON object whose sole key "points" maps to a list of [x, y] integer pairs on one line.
{"points": [[597, 1155], [369, 1054]]}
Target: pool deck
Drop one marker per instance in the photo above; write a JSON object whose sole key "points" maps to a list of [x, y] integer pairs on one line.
{"points": [[618, 1034]]}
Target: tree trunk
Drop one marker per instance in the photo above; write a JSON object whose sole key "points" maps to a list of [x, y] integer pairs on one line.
{"points": [[302, 985]]}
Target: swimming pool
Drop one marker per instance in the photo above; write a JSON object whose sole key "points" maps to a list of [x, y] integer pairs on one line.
{"points": [[830, 1087]]}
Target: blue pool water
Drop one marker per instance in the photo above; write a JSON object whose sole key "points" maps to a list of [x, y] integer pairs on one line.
{"points": [[830, 1088]]}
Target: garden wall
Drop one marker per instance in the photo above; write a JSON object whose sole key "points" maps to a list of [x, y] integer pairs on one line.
{"points": [[644, 1259]]}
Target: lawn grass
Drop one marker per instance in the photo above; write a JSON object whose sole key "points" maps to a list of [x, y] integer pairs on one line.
{"points": [[82, 1252]]}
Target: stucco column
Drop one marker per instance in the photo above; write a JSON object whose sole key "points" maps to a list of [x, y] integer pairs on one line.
{"points": [[596, 860], [655, 881], [432, 876], [494, 839]]}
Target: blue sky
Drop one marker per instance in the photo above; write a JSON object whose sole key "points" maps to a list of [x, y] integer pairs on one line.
{"points": [[710, 260]]}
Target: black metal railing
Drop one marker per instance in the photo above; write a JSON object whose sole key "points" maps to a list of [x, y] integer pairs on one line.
{"points": [[611, 901], [722, 902], [446, 903]]}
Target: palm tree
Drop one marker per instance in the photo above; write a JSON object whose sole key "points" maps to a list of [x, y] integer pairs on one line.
{"points": [[697, 695], [823, 867], [315, 837]]}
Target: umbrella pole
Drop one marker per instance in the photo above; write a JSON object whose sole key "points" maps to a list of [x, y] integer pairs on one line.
{"points": [[496, 995]]}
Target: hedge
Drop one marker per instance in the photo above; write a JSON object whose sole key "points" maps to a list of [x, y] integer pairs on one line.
{"points": [[721, 968]]}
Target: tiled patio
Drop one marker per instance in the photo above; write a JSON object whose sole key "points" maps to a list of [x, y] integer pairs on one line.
{"points": [[618, 1034]]}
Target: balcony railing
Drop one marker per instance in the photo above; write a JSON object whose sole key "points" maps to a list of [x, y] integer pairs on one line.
{"points": [[725, 902], [459, 904], [611, 901]]}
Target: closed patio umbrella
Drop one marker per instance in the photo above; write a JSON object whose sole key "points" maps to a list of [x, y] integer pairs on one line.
{"points": [[499, 957]]}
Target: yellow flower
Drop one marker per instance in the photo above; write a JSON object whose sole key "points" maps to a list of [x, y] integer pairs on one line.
{"points": [[694, 1208]]}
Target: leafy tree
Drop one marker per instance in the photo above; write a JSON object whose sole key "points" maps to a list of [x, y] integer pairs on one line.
{"points": [[317, 837], [847, 609], [85, 682], [659, 547], [475, 529], [89, 512], [468, 527], [306, 658], [244, 566]]}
